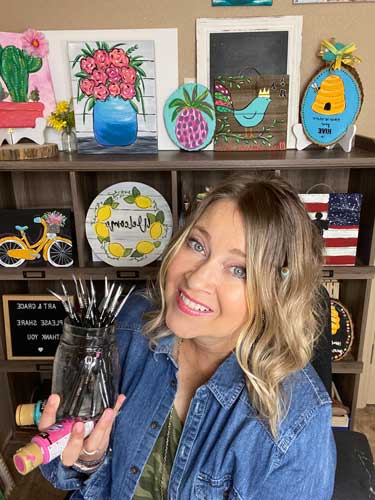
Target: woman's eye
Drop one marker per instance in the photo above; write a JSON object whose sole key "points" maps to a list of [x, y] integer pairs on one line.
{"points": [[239, 272], [195, 245]]}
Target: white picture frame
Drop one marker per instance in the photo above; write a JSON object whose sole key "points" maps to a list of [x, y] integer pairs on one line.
{"points": [[290, 24], [166, 66]]}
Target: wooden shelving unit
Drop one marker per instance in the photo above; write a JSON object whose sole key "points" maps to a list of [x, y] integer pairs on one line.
{"points": [[72, 181]]}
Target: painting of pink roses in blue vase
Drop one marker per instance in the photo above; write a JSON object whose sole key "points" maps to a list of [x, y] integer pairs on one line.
{"points": [[114, 96]]}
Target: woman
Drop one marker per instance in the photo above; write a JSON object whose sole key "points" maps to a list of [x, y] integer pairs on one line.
{"points": [[221, 401]]}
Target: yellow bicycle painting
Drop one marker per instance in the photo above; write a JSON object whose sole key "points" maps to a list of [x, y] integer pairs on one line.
{"points": [[50, 247]]}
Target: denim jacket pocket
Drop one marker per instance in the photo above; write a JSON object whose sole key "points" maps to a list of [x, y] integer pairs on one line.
{"points": [[214, 488]]}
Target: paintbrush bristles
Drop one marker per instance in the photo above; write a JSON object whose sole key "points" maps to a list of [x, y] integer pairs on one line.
{"points": [[88, 314]]}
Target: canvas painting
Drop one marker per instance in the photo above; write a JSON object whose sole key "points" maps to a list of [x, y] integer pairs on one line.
{"points": [[26, 91], [36, 237], [113, 87], [239, 3]]}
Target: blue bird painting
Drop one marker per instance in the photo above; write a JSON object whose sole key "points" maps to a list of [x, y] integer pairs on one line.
{"points": [[249, 116]]}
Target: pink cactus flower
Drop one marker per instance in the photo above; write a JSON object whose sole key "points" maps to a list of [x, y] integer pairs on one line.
{"points": [[114, 89], [118, 58], [128, 75], [34, 43], [101, 58], [101, 92], [88, 65], [99, 76], [127, 91], [113, 73], [87, 86]]}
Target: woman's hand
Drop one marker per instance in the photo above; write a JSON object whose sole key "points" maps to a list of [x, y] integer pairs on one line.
{"points": [[98, 439]]}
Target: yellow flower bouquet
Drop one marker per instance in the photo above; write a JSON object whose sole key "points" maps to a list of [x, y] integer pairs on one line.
{"points": [[62, 120]]}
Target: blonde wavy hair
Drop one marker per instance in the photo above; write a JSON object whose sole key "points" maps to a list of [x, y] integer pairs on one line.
{"points": [[283, 322]]}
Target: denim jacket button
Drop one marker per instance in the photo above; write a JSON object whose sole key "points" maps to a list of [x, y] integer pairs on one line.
{"points": [[154, 425], [226, 494], [134, 469]]}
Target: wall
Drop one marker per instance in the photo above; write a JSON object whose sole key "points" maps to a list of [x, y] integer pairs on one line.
{"points": [[347, 22]]}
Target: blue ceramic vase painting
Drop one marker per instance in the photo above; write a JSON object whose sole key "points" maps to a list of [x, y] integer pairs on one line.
{"points": [[114, 96], [331, 103], [115, 122], [189, 117]]}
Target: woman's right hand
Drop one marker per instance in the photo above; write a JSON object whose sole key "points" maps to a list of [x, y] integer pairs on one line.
{"points": [[98, 439]]}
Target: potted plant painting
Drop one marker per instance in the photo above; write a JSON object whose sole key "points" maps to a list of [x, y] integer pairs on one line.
{"points": [[16, 65], [111, 80]]}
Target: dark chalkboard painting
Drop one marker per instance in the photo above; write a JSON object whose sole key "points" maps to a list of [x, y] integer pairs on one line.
{"points": [[248, 53], [33, 325]]}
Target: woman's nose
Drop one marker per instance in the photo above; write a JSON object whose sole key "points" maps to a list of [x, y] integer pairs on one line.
{"points": [[201, 276]]}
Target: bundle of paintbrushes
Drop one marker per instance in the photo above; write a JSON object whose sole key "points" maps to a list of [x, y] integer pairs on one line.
{"points": [[85, 369], [86, 312]]}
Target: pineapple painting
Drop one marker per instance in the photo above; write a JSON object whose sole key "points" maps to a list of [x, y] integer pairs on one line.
{"points": [[189, 117]]}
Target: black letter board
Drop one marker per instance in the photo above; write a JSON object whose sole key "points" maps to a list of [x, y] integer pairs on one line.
{"points": [[33, 325]]}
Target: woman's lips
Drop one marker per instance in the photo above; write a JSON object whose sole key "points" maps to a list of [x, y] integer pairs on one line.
{"points": [[188, 310]]}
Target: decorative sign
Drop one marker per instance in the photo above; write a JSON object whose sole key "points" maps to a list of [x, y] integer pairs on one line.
{"points": [[331, 103], [129, 224], [334, 96], [342, 330], [33, 325], [36, 237], [251, 112], [189, 117], [337, 217]]}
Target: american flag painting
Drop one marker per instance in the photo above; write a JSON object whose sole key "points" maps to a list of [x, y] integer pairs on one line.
{"points": [[337, 216]]}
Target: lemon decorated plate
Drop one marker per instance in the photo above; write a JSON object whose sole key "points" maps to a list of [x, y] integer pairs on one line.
{"points": [[129, 224]]}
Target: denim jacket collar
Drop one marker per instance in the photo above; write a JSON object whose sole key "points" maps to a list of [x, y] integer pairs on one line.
{"points": [[227, 382]]}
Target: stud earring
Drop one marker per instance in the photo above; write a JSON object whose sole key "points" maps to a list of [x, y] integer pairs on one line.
{"points": [[284, 272]]}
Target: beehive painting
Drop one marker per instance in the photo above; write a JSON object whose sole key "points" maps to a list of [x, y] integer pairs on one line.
{"points": [[330, 99], [331, 104]]}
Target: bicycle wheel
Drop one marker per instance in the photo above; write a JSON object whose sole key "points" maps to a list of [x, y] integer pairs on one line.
{"points": [[60, 254], [5, 259]]}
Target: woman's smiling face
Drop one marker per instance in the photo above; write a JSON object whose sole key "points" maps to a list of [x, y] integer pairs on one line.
{"points": [[206, 280]]}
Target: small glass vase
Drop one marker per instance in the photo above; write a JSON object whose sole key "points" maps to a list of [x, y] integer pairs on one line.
{"points": [[69, 141]]}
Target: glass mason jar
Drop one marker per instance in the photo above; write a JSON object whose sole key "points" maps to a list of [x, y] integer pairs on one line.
{"points": [[86, 371], [69, 141]]}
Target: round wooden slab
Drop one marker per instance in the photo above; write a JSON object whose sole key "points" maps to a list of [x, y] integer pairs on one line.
{"points": [[27, 151]]}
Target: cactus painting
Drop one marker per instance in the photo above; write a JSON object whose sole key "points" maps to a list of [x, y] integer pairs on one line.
{"points": [[26, 91]]}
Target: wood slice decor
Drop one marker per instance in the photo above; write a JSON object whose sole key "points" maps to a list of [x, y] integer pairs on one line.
{"points": [[27, 151]]}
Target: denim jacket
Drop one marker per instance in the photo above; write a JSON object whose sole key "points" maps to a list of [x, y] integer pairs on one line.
{"points": [[225, 450]]}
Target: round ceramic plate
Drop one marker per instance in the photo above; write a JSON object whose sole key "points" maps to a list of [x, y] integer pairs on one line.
{"points": [[129, 224], [331, 103], [189, 117]]}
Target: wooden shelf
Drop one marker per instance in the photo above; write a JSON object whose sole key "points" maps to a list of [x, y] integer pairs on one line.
{"points": [[348, 272], [17, 366], [362, 156], [97, 272], [347, 365]]}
